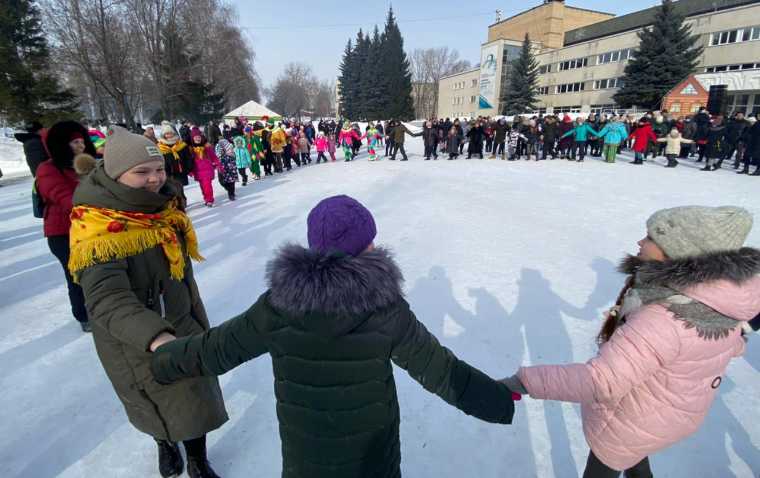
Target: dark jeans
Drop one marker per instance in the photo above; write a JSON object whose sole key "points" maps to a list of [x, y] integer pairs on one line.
{"points": [[230, 188], [498, 149], [597, 469], [396, 148], [243, 175], [321, 157], [305, 157], [549, 150], [388, 147], [431, 149], [580, 148], [59, 246]]}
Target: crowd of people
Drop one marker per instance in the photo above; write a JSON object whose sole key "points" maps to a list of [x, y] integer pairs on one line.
{"points": [[711, 139]]}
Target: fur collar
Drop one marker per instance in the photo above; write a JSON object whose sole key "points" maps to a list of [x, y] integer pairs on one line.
{"points": [[660, 282], [735, 266], [302, 281]]}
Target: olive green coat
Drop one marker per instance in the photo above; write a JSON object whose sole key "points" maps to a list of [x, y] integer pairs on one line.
{"points": [[333, 326], [130, 302]]}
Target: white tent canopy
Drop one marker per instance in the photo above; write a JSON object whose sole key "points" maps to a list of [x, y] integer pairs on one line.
{"points": [[252, 111]]}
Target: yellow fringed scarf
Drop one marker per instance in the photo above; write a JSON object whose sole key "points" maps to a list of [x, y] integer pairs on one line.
{"points": [[101, 235], [174, 149], [200, 151]]}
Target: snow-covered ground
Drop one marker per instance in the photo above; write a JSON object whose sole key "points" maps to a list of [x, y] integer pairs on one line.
{"points": [[12, 162], [507, 263]]}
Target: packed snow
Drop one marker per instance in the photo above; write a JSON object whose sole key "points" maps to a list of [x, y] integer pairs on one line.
{"points": [[12, 162], [508, 263]]}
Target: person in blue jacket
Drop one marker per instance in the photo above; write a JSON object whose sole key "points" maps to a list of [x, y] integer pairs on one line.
{"points": [[580, 138], [613, 133]]}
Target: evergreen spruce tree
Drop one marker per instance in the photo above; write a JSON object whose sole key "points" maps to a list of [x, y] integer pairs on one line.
{"points": [[667, 54], [29, 89], [373, 89], [523, 82], [360, 57], [346, 82], [396, 82]]}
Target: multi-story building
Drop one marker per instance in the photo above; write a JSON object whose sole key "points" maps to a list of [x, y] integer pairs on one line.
{"points": [[583, 74]]}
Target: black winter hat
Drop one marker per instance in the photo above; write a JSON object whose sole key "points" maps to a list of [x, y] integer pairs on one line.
{"points": [[58, 139]]}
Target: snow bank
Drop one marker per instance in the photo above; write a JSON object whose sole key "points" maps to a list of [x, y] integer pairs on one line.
{"points": [[12, 161]]}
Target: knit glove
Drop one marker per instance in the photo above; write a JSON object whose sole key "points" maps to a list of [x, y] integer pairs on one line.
{"points": [[513, 383]]}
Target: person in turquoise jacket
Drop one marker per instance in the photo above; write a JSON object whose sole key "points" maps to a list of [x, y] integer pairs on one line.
{"points": [[580, 138], [242, 158], [614, 134]]}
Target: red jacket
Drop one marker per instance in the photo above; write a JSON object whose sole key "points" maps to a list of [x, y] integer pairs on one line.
{"points": [[57, 190], [643, 135]]}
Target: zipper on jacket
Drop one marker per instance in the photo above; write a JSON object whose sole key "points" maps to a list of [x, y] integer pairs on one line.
{"points": [[150, 302], [161, 301]]}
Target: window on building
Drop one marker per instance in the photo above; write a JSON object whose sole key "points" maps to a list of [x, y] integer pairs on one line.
{"points": [[543, 90], [737, 103], [608, 83], [614, 56], [474, 82], [744, 66], [689, 90], [569, 88], [598, 109], [735, 36], [572, 64], [567, 109], [675, 108]]}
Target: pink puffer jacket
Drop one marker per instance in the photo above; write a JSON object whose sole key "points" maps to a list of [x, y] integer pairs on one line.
{"points": [[653, 382]]}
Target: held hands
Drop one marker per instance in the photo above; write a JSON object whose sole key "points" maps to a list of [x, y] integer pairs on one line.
{"points": [[163, 338], [514, 384]]}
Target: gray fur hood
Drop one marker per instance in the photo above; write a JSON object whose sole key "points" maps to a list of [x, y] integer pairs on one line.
{"points": [[713, 293], [305, 282], [735, 266]]}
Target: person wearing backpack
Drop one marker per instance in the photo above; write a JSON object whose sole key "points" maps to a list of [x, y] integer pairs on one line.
{"points": [[56, 181]]}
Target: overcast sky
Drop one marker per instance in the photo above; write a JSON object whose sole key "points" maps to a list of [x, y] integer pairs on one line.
{"points": [[316, 32]]}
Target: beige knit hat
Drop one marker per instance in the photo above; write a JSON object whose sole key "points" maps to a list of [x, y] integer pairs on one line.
{"points": [[125, 150], [690, 231]]}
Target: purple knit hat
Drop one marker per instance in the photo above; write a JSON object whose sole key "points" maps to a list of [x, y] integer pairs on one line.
{"points": [[340, 224]]}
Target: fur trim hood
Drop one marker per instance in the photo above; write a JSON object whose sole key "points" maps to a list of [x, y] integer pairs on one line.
{"points": [[712, 293], [58, 139], [734, 266], [303, 282]]}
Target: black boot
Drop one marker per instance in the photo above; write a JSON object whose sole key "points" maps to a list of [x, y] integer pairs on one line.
{"points": [[170, 461], [757, 172], [200, 468], [672, 163], [197, 463], [745, 170], [718, 165]]}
